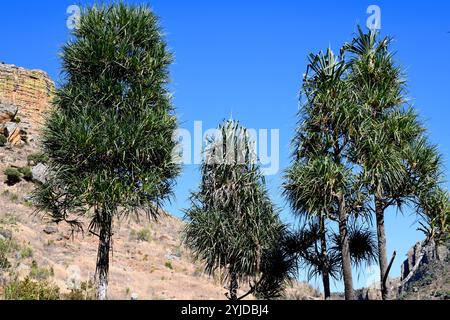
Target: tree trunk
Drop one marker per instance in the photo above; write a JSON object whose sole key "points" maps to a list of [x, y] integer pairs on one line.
{"points": [[102, 269], [233, 286], [326, 284], [345, 250], [382, 255], [325, 262]]}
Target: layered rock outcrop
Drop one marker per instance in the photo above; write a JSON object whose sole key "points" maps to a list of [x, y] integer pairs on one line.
{"points": [[25, 95]]}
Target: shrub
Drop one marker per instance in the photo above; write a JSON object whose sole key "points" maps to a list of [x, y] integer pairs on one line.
{"points": [[40, 273], [26, 173], [5, 249], [14, 197], [141, 235], [26, 252], [168, 265], [13, 176], [3, 140], [4, 263], [144, 235], [35, 158], [29, 289], [85, 292], [8, 218]]}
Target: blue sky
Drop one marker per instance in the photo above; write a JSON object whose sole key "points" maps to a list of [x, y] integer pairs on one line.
{"points": [[247, 59]]}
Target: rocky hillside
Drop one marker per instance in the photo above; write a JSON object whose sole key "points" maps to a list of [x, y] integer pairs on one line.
{"points": [[431, 280], [148, 261]]}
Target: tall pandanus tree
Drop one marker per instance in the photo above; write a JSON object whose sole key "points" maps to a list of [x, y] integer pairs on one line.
{"points": [[232, 225], [390, 144], [109, 135], [321, 181]]}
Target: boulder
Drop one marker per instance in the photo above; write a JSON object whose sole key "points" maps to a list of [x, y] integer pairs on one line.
{"points": [[50, 229], [7, 112], [39, 173], [10, 129], [6, 234], [134, 296], [12, 133]]}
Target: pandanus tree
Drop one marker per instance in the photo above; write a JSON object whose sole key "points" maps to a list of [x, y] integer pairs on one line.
{"points": [[322, 181], [390, 145], [109, 135], [319, 252], [433, 206], [232, 225]]}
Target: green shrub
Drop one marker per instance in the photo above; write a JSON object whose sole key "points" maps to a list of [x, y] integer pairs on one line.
{"points": [[40, 273], [4, 263], [29, 289], [35, 158], [144, 235], [8, 218], [141, 235], [14, 197], [26, 173], [4, 251], [13, 176], [85, 292], [6, 246], [26, 252], [17, 120], [3, 140], [168, 265]]}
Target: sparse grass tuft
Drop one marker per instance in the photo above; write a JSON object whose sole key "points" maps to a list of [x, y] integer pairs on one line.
{"points": [[141, 235], [40, 273], [168, 265], [85, 292], [26, 252], [27, 175], [3, 140], [35, 158]]}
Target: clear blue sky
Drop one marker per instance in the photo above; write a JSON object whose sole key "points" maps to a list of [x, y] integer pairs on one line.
{"points": [[247, 58]]}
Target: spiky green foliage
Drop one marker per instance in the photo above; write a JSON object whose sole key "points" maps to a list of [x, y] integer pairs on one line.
{"points": [[396, 159], [13, 176], [363, 245], [433, 206], [232, 223], [308, 245], [109, 137], [322, 181], [397, 162], [312, 257]]}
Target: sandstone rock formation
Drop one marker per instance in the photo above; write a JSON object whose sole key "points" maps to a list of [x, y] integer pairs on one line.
{"points": [[430, 253], [25, 95]]}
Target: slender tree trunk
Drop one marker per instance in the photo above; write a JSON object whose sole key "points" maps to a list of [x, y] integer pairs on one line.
{"points": [[102, 269], [326, 283], [345, 250], [382, 255], [233, 286], [325, 262]]}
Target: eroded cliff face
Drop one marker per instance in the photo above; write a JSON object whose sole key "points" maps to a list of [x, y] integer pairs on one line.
{"points": [[25, 95], [30, 90]]}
